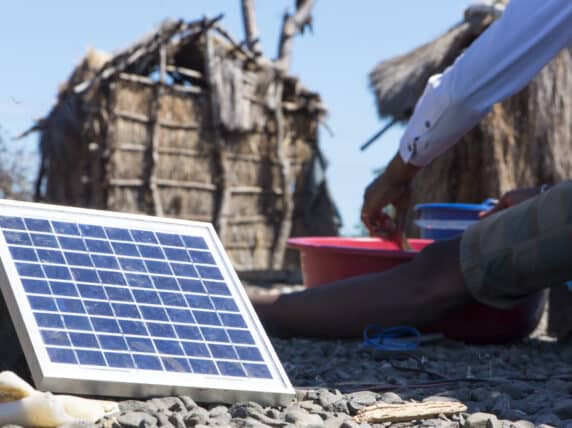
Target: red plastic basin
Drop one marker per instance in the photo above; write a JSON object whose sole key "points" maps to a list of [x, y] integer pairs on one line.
{"points": [[328, 259]]}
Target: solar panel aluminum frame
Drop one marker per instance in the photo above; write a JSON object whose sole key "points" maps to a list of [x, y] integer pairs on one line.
{"points": [[65, 378]]}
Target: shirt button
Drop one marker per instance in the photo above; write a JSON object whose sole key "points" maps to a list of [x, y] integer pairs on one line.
{"points": [[427, 124]]}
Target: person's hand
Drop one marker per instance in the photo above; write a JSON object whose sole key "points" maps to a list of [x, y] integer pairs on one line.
{"points": [[509, 199], [393, 187]]}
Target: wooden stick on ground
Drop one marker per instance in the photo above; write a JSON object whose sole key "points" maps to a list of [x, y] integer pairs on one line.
{"points": [[383, 412]]}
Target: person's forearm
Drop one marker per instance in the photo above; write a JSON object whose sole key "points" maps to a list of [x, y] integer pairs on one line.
{"points": [[498, 64]]}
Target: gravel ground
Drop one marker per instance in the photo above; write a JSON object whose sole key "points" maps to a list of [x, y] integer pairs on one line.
{"points": [[523, 385]]}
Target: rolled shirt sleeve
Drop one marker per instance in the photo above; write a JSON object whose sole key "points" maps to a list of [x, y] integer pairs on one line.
{"points": [[497, 65]]}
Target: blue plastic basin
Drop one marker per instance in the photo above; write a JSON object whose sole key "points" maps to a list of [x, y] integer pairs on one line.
{"points": [[446, 220]]}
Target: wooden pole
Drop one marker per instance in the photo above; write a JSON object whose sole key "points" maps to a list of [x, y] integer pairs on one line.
{"points": [[292, 25], [250, 27]]}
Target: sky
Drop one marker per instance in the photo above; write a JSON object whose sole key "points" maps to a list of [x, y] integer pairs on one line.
{"points": [[41, 42]]}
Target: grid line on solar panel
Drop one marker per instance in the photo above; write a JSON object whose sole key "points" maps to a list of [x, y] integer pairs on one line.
{"points": [[127, 269]]}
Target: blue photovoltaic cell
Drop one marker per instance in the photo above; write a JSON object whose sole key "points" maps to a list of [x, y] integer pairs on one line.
{"points": [[190, 332], [65, 228], [203, 366], [92, 231], [125, 249], [44, 240], [207, 317], [119, 359], [89, 291], [192, 285], [23, 253], [177, 254], [133, 327], [92, 358], [70, 305], [76, 322], [232, 320], [195, 242], [38, 225], [144, 236], [165, 283], [202, 257], [12, 223], [195, 349], [170, 347], [62, 355], [63, 288], [125, 310], [128, 298], [98, 246], [84, 340], [113, 343], [104, 261], [48, 320], [180, 315], [147, 296], [257, 370], [17, 238], [150, 252], [38, 286], [175, 364], [209, 272], [106, 325], [84, 275], [214, 287], [55, 337], [116, 234], [160, 329], [170, 239], [154, 266], [77, 259], [173, 299], [95, 307], [149, 362], [137, 280], [69, 243], [56, 272], [51, 256]]}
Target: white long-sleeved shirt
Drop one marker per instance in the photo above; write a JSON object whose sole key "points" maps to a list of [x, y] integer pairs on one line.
{"points": [[498, 64]]}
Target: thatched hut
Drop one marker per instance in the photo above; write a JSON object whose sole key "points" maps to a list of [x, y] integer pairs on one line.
{"points": [[188, 123], [525, 141]]}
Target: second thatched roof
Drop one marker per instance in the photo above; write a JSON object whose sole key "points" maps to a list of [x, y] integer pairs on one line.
{"points": [[399, 82]]}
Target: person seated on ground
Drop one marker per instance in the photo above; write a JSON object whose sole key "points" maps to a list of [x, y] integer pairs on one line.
{"points": [[506, 256]]}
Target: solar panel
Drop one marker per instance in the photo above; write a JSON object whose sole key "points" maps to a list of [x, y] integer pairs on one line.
{"points": [[127, 305]]}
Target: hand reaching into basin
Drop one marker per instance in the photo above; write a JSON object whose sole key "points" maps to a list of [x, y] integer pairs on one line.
{"points": [[392, 187]]}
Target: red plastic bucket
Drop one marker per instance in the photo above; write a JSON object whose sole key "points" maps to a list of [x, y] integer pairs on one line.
{"points": [[328, 259]]}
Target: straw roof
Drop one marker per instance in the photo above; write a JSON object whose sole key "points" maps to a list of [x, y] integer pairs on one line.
{"points": [[399, 82]]}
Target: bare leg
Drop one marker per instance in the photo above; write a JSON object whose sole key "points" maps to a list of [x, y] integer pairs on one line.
{"points": [[415, 293]]}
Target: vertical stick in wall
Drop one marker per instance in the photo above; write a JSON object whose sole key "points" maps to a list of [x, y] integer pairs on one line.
{"points": [[288, 202], [108, 148], [155, 135], [220, 216]]}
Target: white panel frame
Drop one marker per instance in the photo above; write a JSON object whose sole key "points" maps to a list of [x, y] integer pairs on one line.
{"points": [[118, 382]]}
